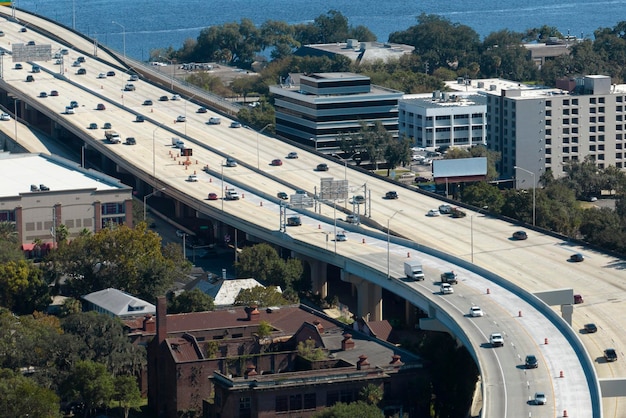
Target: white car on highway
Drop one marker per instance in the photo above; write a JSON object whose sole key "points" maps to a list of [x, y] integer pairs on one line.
{"points": [[446, 289], [433, 212], [475, 312]]}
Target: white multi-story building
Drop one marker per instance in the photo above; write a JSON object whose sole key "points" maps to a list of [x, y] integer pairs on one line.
{"points": [[315, 109], [443, 119], [536, 129], [40, 192]]}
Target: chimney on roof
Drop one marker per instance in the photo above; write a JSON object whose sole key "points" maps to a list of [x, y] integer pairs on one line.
{"points": [[347, 343], [161, 324], [149, 324], [362, 363], [251, 370], [319, 326], [395, 360], [253, 313]]}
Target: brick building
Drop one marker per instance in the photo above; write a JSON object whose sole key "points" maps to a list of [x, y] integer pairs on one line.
{"points": [[216, 365]]}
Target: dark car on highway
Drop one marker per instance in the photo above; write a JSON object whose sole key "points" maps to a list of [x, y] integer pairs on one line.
{"points": [[610, 354], [391, 195], [282, 195], [322, 167], [590, 328], [520, 235], [577, 258], [531, 362]]}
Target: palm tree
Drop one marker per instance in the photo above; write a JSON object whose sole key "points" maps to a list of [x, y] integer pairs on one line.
{"points": [[8, 232], [372, 394]]}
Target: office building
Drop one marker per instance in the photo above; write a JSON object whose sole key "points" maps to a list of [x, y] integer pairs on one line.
{"points": [[444, 119], [40, 192], [315, 109]]}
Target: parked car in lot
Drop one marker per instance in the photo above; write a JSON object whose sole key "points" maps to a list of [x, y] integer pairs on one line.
{"points": [[213, 196], [391, 195], [294, 221], [610, 354], [496, 340], [322, 167], [520, 235], [577, 258], [531, 362], [475, 312], [282, 195], [433, 212], [590, 328], [277, 162]]}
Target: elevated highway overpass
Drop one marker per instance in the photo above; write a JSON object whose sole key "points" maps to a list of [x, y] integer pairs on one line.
{"points": [[535, 265]]}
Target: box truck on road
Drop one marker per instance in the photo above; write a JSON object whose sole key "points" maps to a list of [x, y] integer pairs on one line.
{"points": [[413, 270]]}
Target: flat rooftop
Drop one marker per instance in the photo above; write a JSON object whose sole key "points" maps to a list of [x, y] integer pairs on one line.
{"points": [[19, 171]]}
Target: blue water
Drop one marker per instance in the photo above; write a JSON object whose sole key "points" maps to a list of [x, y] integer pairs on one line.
{"points": [[151, 24]]}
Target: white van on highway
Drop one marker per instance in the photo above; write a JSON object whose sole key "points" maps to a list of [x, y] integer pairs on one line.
{"points": [[214, 121]]}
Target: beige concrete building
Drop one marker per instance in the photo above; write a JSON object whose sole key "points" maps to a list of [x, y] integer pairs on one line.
{"points": [[41, 192]]}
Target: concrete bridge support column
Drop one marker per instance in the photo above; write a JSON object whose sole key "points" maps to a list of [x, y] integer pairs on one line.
{"points": [[369, 297], [319, 277], [409, 313], [567, 311], [178, 209]]}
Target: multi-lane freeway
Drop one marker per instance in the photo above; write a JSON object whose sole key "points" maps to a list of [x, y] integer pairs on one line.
{"points": [[537, 264]]}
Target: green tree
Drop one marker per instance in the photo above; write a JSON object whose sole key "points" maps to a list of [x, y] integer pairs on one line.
{"points": [[22, 397], [262, 262], [398, 152], [481, 194], [126, 393], [308, 350], [91, 383], [355, 409], [9, 243], [260, 295], [332, 27], [128, 259], [265, 329], [70, 306], [194, 300], [102, 339], [22, 288], [371, 394]]}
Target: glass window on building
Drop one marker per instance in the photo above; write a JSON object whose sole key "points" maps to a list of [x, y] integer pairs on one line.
{"points": [[295, 402], [245, 407], [310, 401], [7, 216], [575, 102], [113, 208], [565, 102], [281, 404]]}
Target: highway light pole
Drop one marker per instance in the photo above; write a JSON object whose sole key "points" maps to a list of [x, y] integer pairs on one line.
{"points": [[257, 143], [534, 188], [388, 240], [123, 36], [145, 198]]}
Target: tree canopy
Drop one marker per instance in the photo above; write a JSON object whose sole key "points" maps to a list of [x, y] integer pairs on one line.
{"points": [[127, 259], [194, 300], [263, 263]]}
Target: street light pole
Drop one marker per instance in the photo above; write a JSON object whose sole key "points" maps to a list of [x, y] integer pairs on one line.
{"points": [[388, 240], [123, 36], [534, 188], [145, 198]]}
